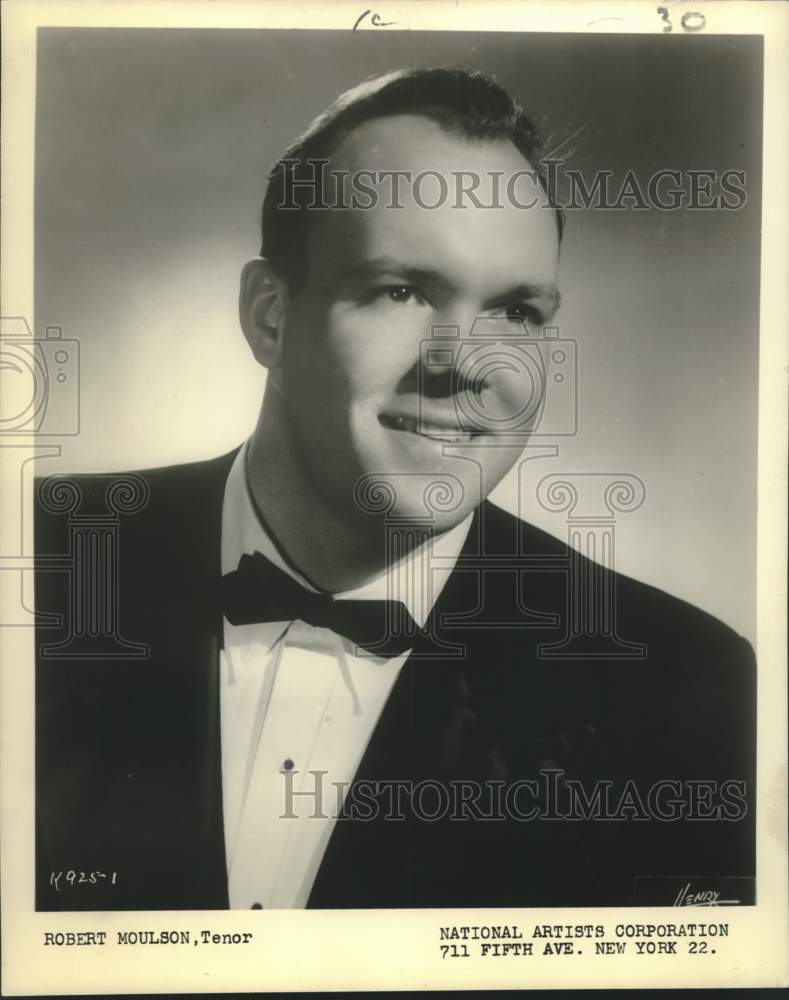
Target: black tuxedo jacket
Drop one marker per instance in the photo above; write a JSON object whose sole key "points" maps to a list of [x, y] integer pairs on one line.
{"points": [[128, 750]]}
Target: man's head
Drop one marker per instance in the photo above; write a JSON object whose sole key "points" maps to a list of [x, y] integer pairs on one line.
{"points": [[345, 304]]}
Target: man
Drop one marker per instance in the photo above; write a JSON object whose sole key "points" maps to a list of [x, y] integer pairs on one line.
{"points": [[355, 689]]}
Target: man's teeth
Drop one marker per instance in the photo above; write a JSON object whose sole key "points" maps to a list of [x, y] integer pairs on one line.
{"points": [[434, 431], [441, 434]]}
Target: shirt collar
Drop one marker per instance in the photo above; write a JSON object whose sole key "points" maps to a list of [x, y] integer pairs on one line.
{"points": [[417, 579]]}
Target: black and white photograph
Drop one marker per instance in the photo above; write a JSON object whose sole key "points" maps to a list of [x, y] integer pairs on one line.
{"points": [[385, 445]]}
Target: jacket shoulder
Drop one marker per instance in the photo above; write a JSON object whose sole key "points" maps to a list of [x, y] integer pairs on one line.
{"points": [[638, 605], [51, 491], [143, 497]]}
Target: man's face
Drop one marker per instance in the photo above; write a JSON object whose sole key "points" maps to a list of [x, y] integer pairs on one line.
{"points": [[368, 386]]}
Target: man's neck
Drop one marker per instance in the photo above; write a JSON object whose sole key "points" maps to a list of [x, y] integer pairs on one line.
{"points": [[332, 554]]}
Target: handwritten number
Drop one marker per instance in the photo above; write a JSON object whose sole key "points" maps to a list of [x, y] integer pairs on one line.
{"points": [[78, 878], [686, 18], [690, 21]]}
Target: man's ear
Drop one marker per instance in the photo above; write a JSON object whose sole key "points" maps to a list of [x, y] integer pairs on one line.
{"points": [[262, 308]]}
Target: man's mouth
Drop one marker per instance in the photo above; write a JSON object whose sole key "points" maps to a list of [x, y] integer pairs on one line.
{"points": [[435, 431]]}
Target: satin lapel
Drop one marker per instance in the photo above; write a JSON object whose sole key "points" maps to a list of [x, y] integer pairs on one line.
{"points": [[427, 731], [181, 735], [497, 711]]}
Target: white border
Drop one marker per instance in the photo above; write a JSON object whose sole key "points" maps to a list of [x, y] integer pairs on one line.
{"points": [[399, 949]]}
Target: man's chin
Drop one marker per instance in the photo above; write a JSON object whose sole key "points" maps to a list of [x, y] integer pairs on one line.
{"points": [[433, 487], [410, 495]]}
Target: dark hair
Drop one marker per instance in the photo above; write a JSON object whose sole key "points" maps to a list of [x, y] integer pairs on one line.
{"points": [[460, 101]]}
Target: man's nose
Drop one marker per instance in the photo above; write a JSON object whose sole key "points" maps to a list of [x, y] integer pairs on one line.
{"points": [[440, 355], [459, 346]]}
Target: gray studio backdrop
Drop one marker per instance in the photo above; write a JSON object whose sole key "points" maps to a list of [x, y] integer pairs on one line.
{"points": [[151, 154]]}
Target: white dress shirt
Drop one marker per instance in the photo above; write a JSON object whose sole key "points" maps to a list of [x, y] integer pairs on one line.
{"points": [[298, 699]]}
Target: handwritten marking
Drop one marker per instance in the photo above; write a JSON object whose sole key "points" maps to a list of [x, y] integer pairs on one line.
{"points": [[685, 21], [375, 20], [360, 19], [79, 878], [687, 26]]}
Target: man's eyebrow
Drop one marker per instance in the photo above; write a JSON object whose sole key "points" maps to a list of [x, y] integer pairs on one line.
{"points": [[382, 265], [547, 296]]}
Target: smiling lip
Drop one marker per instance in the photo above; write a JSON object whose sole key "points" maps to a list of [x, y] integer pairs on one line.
{"points": [[433, 430]]}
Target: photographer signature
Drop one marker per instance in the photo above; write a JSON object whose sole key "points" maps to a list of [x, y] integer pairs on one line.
{"points": [[706, 897]]}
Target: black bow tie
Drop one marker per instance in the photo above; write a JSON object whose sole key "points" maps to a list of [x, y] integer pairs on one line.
{"points": [[258, 591]]}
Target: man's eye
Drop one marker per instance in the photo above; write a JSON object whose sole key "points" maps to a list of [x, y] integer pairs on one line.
{"points": [[400, 293], [520, 312]]}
